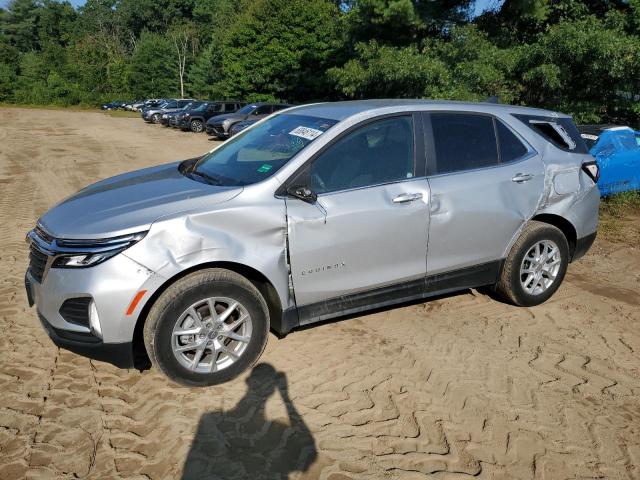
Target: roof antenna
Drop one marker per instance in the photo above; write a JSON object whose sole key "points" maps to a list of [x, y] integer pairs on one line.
{"points": [[493, 99]]}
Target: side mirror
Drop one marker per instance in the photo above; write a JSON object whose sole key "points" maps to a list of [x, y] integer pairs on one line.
{"points": [[302, 193]]}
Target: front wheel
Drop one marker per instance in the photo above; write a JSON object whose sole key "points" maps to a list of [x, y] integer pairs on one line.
{"points": [[155, 118], [207, 328], [535, 266], [197, 126]]}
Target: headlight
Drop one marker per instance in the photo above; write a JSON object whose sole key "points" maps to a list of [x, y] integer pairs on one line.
{"points": [[87, 253]]}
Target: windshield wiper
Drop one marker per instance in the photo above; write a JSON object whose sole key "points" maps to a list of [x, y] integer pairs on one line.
{"points": [[210, 179]]}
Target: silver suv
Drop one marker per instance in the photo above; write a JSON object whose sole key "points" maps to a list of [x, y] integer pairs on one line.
{"points": [[313, 213]]}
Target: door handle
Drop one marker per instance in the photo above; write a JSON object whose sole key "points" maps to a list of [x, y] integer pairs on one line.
{"points": [[407, 197], [522, 177]]}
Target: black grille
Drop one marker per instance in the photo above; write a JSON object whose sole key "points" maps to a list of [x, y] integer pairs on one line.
{"points": [[76, 310], [37, 263]]}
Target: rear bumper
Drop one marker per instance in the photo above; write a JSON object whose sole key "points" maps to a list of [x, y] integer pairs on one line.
{"points": [[85, 344], [582, 246]]}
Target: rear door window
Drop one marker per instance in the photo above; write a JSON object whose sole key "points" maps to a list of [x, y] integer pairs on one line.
{"points": [[463, 141]]}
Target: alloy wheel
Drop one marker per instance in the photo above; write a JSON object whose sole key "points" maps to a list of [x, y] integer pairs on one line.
{"points": [[211, 334], [196, 126], [540, 267]]}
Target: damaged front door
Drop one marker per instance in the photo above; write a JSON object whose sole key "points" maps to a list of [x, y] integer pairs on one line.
{"points": [[368, 227]]}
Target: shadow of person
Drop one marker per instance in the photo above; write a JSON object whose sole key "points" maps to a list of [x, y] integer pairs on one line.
{"points": [[243, 444]]}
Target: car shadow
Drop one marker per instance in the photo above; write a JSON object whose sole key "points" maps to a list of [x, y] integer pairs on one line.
{"points": [[242, 443]]}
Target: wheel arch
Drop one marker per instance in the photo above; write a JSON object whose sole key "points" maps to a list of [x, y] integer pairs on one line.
{"points": [[564, 225], [257, 278]]}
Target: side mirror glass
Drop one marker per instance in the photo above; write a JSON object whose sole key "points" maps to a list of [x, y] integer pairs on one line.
{"points": [[302, 193]]}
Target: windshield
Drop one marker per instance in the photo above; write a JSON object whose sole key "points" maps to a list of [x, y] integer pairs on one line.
{"points": [[201, 107], [247, 109], [258, 153]]}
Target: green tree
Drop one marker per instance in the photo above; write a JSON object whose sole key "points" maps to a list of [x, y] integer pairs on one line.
{"points": [[582, 67], [20, 24], [280, 49], [380, 71], [153, 69]]}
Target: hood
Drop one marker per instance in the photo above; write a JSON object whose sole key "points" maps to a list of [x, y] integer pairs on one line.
{"points": [[130, 202], [226, 116]]}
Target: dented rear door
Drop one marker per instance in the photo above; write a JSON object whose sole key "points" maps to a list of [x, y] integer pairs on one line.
{"points": [[476, 207]]}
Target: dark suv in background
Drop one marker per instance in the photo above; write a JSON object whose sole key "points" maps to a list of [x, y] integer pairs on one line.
{"points": [[154, 114], [168, 117], [219, 125], [194, 119]]}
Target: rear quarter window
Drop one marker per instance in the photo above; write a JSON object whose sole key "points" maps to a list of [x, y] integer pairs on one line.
{"points": [[560, 131], [511, 148]]}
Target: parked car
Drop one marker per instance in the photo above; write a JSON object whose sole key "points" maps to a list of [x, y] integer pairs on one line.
{"points": [[617, 151], [131, 105], [115, 105], [154, 114], [240, 126], [219, 125], [165, 118], [195, 119], [151, 102], [317, 212]]}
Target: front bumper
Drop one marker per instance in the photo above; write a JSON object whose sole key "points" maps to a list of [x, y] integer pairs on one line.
{"points": [[119, 354], [111, 285], [217, 130]]}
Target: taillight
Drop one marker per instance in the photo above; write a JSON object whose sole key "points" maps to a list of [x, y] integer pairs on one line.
{"points": [[591, 168]]}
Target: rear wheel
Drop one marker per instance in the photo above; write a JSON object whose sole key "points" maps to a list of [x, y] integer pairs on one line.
{"points": [[207, 328], [197, 126], [535, 266]]}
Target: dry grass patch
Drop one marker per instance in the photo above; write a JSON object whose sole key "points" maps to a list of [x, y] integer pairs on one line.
{"points": [[618, 218]]}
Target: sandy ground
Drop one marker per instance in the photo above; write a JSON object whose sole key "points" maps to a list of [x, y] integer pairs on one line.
{"points": [[459, 386]]}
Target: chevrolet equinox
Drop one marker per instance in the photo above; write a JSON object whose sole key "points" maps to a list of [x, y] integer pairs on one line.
{"points": [[316, 212]]}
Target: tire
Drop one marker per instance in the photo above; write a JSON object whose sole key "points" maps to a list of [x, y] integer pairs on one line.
{"points": [[222, 287], [518, 271], [196, 126], [155, 118]]}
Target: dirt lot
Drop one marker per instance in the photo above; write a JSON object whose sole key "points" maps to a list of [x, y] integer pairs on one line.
{"points": [[455, 387]]}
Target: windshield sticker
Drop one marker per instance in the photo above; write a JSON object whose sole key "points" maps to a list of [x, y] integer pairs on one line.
{"points": [[265, 168], [306, 132]]}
